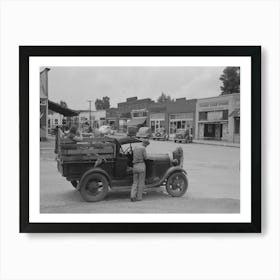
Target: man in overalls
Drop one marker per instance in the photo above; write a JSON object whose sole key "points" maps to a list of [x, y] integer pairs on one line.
{"points": [[139, 171]]}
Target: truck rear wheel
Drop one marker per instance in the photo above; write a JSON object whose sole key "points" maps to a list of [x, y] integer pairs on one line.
{"points": [[177, 184], [94, 187]]}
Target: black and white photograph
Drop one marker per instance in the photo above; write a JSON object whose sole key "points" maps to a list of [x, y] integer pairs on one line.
{"points": [[140, 139], [143, 137]]}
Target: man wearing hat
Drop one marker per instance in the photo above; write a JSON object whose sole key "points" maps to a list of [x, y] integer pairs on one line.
{"points": [[139, 171]]}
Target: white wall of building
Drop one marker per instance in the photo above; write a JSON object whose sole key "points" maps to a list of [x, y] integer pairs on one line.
{"points": [[96, 116]]}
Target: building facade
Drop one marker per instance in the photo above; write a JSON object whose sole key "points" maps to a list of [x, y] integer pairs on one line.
{"points": [[181, 115], [218, 118], [133, 112], [158, 117], [93, 118], [133, 103], [173, 115], [54, 120]]}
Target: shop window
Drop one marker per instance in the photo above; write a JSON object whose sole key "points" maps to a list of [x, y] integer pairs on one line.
{"points": [[237, 126], [153, 126], [179, 125], [203, 116], [225, 114]]}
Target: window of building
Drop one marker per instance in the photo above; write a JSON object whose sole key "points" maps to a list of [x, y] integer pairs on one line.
{"points": [[225, 114], [203, 116], [237, 125], [153, 126], [56, 121], [179, 124]]}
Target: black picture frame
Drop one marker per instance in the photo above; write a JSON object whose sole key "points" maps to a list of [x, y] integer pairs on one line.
{"points": [[25, 52]]}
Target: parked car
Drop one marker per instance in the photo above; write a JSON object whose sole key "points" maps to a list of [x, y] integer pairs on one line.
{"points": [[144, 132], [183, 136], [132, 130], [106, 130], [94, 168], [160, 134]]}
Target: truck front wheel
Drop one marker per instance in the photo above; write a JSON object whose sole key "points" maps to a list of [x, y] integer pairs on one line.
{"points": [[177, 184]]}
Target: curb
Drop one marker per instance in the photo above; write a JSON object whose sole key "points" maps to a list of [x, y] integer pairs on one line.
{"points": [[217, 144]]}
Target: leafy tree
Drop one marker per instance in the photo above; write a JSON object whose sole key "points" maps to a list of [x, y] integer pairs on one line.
{"points": [[231, 80], [164, 98], [63, 104], [102, 104]]}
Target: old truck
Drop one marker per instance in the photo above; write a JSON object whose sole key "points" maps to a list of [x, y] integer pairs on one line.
{"points": [[96, 165]]}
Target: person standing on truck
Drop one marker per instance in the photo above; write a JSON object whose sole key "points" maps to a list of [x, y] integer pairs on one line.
{"points": [[139, 171]]}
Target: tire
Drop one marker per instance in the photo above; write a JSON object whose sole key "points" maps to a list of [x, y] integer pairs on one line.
{"points": [[95, 187], [74, 183], [177, 184]]}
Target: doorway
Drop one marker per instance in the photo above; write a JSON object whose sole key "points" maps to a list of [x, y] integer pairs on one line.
{"points": [[212, 130]]}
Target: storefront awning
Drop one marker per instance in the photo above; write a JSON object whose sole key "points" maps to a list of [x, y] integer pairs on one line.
{"points": [[62, 110], [135, 122], [235, 113]]}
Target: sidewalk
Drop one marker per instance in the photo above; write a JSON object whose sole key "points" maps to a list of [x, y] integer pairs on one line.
{"points": [[217, 143], [49, 144]]}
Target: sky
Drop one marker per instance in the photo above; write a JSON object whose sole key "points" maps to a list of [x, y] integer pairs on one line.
{"points": [[77, 85]]}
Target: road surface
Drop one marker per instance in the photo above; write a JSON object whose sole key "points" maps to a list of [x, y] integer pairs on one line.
{"points": [[214, 185]]}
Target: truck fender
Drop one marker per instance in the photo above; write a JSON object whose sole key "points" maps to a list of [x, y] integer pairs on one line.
{"points": [[94, 170], [173, 169]]}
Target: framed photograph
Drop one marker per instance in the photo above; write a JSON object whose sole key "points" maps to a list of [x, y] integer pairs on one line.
{"points": [[136, 139]]}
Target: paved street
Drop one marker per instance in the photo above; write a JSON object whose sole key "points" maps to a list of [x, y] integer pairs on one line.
{"points": [[213, 173]]}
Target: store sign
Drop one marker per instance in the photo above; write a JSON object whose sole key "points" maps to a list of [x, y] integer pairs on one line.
{"points": [[214, 104], [159, 116], [182, 116]]}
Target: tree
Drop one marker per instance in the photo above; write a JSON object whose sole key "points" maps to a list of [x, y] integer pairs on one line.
{"points": [[231, 80], [164, 98], [102, 104], [63, 104]]}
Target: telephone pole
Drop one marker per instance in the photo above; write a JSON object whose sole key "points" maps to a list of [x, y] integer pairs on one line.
{"points": [[89, 101]]}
